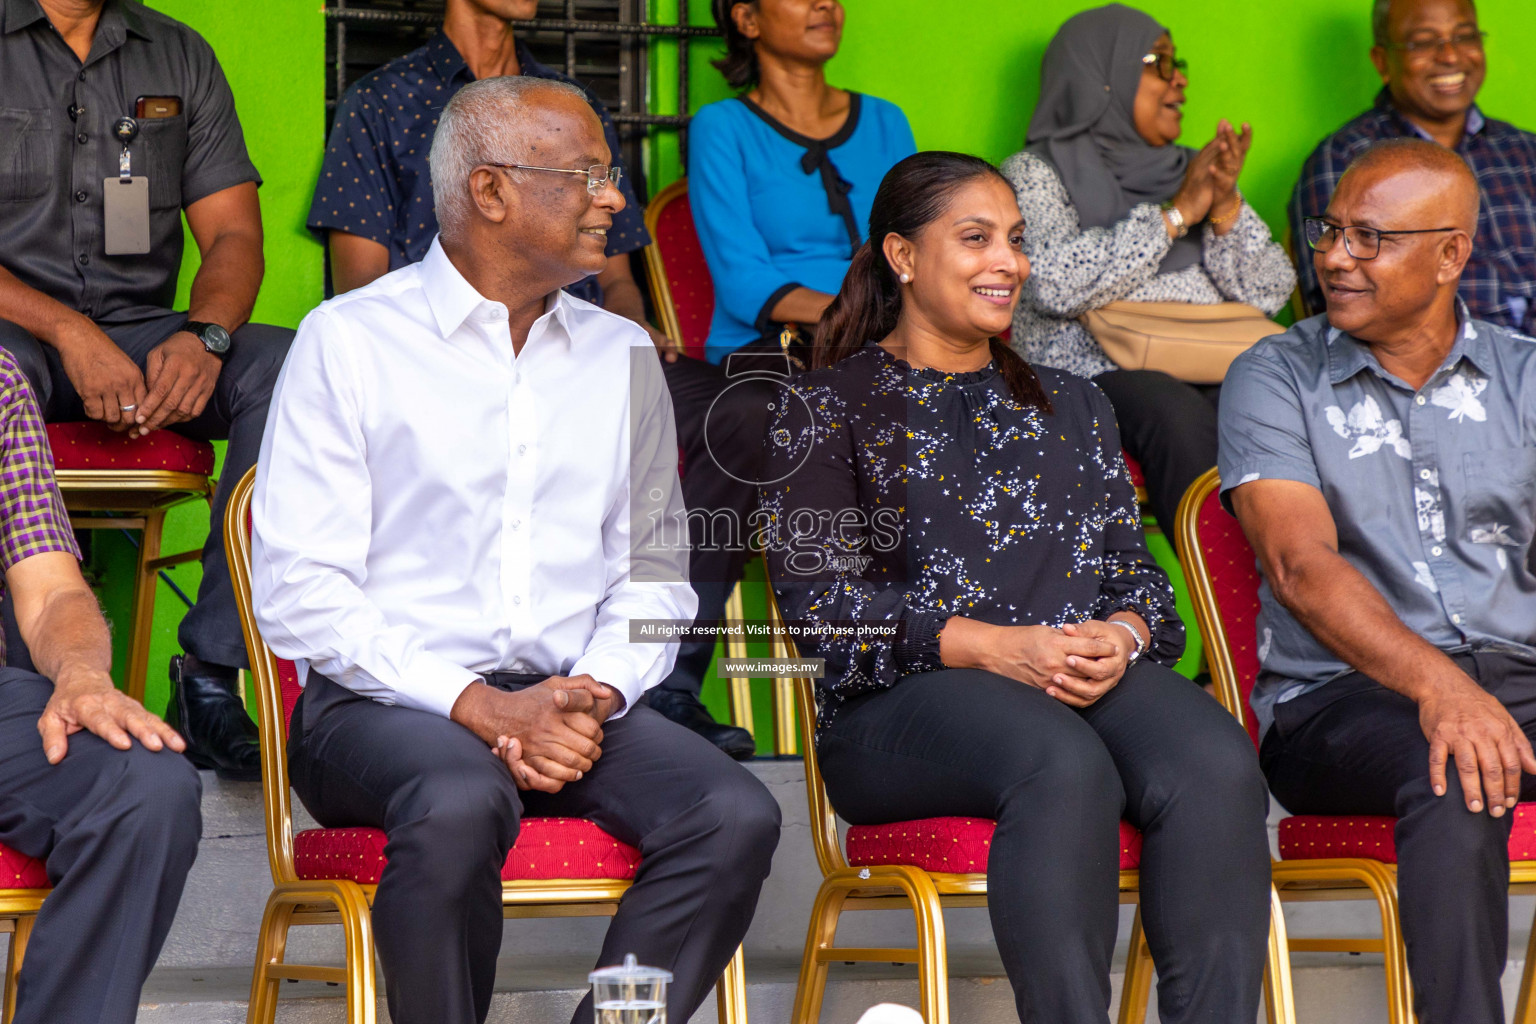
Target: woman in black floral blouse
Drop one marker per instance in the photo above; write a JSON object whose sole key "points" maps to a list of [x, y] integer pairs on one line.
{"points": [[926, 477]]}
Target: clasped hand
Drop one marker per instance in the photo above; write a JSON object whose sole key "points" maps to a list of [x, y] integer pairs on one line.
{"points": [[178, 379], [548, 734], [1077, 664], [1210, 180]]}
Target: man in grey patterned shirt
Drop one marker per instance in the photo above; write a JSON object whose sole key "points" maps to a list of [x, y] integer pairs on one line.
{"points": [[1382, 461]]}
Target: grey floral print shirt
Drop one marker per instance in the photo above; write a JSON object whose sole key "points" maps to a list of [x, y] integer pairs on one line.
{"points": [[1433, 491], [904, 496], [1075, 270]]}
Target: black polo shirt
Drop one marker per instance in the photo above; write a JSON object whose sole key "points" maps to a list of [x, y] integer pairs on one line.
{"points": [[56, 147], [375, 182]]}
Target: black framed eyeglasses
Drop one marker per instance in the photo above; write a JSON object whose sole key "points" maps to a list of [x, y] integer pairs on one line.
{"points": [[1166, 64], [1360, 242], [598, 175], [1464, 41]]}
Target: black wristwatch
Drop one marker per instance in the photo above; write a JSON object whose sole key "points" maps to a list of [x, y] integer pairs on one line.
{"points": [[214, 338]]}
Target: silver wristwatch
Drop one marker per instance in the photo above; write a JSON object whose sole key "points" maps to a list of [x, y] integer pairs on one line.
{"points": [[1141, 645]]}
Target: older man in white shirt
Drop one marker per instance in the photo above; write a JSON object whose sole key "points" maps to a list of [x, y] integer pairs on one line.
{"points": [[461, 503]]}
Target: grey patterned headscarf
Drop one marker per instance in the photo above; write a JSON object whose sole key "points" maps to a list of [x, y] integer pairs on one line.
{"points": [[1083, 123]]}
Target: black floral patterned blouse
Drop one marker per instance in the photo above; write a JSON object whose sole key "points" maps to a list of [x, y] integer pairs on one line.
{"points": [[898, 497]]}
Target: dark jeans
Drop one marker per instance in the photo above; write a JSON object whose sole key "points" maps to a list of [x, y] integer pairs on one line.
{"points": [[118, 830], [720, 428], [237, 411], [704, 826], [1154, 750], [1169, 427], [1356, 747]]}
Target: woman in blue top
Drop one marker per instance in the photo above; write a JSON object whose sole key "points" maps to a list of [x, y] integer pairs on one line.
{"points": [[781, 179]]}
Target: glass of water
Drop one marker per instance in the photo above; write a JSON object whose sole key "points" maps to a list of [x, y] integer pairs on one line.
{"points": [[630, 993]]}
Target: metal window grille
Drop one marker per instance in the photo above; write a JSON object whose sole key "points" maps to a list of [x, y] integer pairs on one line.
{"points": [[601, 43]]}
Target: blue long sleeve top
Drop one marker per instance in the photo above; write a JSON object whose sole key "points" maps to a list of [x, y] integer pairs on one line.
{"points": [[776, 210]]}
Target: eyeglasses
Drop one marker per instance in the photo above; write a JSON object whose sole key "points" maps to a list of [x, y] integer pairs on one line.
{"points": [[1166, 64], [598, 175], [1465, 41], [1360, 242]]}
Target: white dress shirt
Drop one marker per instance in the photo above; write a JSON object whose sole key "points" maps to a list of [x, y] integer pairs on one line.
{"points": [[429, 507]]}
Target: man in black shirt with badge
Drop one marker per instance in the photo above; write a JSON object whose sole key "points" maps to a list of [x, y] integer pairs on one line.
{"points": [[117, 120]]}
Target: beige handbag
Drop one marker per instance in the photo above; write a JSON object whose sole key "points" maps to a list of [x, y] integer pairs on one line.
{"points": [[1195, 343]]}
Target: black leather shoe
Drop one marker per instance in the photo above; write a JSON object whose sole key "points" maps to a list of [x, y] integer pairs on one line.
{"points": [[205, 708], [684, 709]]}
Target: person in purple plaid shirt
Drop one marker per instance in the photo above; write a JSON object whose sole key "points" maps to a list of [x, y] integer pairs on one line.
{"points": [[1429, 54], [100, 800]]}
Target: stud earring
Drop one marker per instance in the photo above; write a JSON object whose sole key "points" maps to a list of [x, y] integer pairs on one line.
{"points": [[906, 278]]}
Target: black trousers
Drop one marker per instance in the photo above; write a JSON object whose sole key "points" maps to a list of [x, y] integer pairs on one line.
{"points": [[704, 825], [1356, 747], [720, 428], [1154, 750], [237, 412], [118, 830], [1169, 427]]}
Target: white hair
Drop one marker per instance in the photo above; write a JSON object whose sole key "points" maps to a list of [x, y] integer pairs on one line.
{"points": [[485, 122]]}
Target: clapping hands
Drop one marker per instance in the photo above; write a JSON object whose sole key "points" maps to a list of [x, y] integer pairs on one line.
{"points": [[1210, 180]]}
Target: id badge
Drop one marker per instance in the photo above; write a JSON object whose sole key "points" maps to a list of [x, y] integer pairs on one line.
{"points": [[126, 207]]}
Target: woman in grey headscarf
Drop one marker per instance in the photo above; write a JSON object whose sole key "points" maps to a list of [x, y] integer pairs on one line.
{"points": [[1115, 209]]}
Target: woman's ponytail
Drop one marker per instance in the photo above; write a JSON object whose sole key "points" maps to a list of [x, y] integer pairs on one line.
{"points": [[866, 308]]}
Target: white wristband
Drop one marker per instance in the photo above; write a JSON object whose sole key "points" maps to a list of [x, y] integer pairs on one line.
{"points": [[1135, 637]]}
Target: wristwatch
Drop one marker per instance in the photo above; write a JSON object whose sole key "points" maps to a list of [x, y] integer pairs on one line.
{"points": [[1141, 645], [214, 338]]}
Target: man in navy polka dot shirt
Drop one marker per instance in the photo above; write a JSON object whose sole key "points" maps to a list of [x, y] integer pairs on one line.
{"points": [[374, 204]]}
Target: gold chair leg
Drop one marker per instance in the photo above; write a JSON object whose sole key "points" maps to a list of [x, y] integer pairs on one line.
{"points": [[812, 986], [1138, 976], [1525, 1004], [1279, 996], [271, 945], [731, 991], [736, 647], [137, 668], [13, 961]]}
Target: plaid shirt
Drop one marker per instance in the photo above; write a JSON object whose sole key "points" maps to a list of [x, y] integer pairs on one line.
{"points": [[1499, 282], [32, 516]]}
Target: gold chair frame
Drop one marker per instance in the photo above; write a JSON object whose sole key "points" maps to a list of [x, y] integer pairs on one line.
{"points": [[1330, 878], [655, 266], [18, 913], [134, 499], [928, 894], [295, 901]]}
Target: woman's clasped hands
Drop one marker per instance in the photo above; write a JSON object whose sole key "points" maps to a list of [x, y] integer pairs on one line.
{"points": [[1076, 664]]}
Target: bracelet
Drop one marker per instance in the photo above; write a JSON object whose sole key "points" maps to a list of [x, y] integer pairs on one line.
{"points": [[1141, 645], [1236, 208], [1176, 218]]}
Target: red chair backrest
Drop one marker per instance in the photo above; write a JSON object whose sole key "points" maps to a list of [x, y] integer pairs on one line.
{"points": [[682, 260], [287, 671], [1234, 576]]}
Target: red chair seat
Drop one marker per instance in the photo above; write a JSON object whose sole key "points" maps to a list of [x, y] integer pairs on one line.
{"points": [[1132, 467], [546, 848], [18, 871], [1307, 836], [90, 445], [948, 845]]}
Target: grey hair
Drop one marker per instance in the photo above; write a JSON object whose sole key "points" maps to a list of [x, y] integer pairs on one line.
{"points": [[485, 122], [1380, 9]]}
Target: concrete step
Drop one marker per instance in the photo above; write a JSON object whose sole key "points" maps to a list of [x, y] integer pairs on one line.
{"points": [[204, 971]]}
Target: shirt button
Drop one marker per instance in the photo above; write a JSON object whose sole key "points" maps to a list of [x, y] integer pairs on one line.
{"points": [[1456, 619], [83, 258], [1437, 551], [82, 138], [516, 599], [1419, 400], [80, 195], [522, 449], [516, 523], [81, 76], [1423, 474]]}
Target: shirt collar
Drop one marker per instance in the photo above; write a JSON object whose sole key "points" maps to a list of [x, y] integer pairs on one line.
{"points": [[1347, 356], [118, 19], [18, 14], [454, 300], [448, 63], [1384, 104]]}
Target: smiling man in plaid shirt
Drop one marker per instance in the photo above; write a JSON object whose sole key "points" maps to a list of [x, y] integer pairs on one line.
{"points": [[98, 798], [1429, 54]]}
